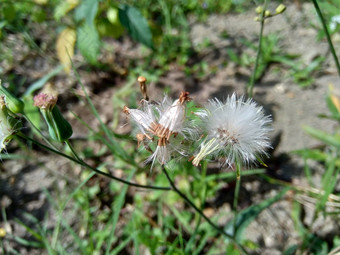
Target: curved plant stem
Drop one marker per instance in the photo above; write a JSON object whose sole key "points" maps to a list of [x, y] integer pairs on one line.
{"points": [[236, 195], [317, 8], [39, 132], [258, 54], [200, 212], [69, 145], [81, 162]]}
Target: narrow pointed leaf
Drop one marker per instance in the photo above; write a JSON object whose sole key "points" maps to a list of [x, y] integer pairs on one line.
{"points": [[332, 140], [136, 25]]}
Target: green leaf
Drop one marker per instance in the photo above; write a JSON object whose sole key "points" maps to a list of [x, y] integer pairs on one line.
{"points": [[331, 100], [246, 216], [88, 42], [87, 10], [136, 25], [63, 8], [31, 112], [291, 250], [332, 140], [9, 12], [314, 154]]}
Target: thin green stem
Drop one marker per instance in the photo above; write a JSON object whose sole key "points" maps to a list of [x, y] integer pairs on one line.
{"points": [[236, 195], [203, 195], [75, 154], [318, 11], [40, 133], [258, 54], [84, 164], [186, 199]]}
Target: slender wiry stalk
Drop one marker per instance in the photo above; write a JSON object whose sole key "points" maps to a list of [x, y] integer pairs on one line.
{"points": [[39, 132], [75, 154], [81, 162], [258, 54], [186, 199], [318, 11], [236, 195]]}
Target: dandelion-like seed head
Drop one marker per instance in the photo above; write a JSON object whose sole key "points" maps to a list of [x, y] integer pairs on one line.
{"points": [[160, 123], [237, 129]]}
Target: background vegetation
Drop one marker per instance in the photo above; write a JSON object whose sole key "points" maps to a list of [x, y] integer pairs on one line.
{"points": [[91, 52]]}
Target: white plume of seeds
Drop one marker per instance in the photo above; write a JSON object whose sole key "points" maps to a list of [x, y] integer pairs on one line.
{"points": [[237, 129]]}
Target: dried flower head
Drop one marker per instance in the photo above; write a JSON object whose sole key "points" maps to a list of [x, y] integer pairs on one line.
{"points": [[237, 129], [172, 118], [45, 101], [160, 123]]}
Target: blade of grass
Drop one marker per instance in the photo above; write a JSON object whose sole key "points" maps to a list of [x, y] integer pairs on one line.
{"points": [[42, 81], [117, 207], [121, 246], [75, 236], [118, 150], [63, 206], [332, 140], [258, 54], [318, 11], [245, 217]]}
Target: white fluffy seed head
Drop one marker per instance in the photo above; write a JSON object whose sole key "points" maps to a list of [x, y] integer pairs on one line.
{"points": [[172, 117], [161, 123], [238, 126]]}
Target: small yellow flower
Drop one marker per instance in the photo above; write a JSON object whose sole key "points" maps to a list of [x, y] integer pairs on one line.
{"points": [[2, 232], [280, 9]]}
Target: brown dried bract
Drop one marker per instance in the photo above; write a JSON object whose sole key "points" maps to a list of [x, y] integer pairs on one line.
{"points": [[142, 85], [126, 110], [184, 97]]}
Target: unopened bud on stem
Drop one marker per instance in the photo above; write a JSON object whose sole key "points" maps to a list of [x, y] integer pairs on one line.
{"points": [[142, 85], [259, 10], [14, 104], [58, 127], [8, 124], [280, 9]]}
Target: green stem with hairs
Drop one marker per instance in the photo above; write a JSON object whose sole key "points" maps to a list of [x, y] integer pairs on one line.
{"points": [[84, 164], [39, 132], [258, 54], [236, 195], [318, 11]]}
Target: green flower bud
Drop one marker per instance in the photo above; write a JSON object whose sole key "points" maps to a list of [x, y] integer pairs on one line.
{"points": [[259, 9], [13, 103], [58, 127], [267, 13], [8, 125], [280, 9]]}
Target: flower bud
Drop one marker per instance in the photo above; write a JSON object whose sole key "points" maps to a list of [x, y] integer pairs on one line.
{"points": [[259, 9], [2, 232], [14, 104], [8, 124], [280, 9], [58, 127], [267, 13]]}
